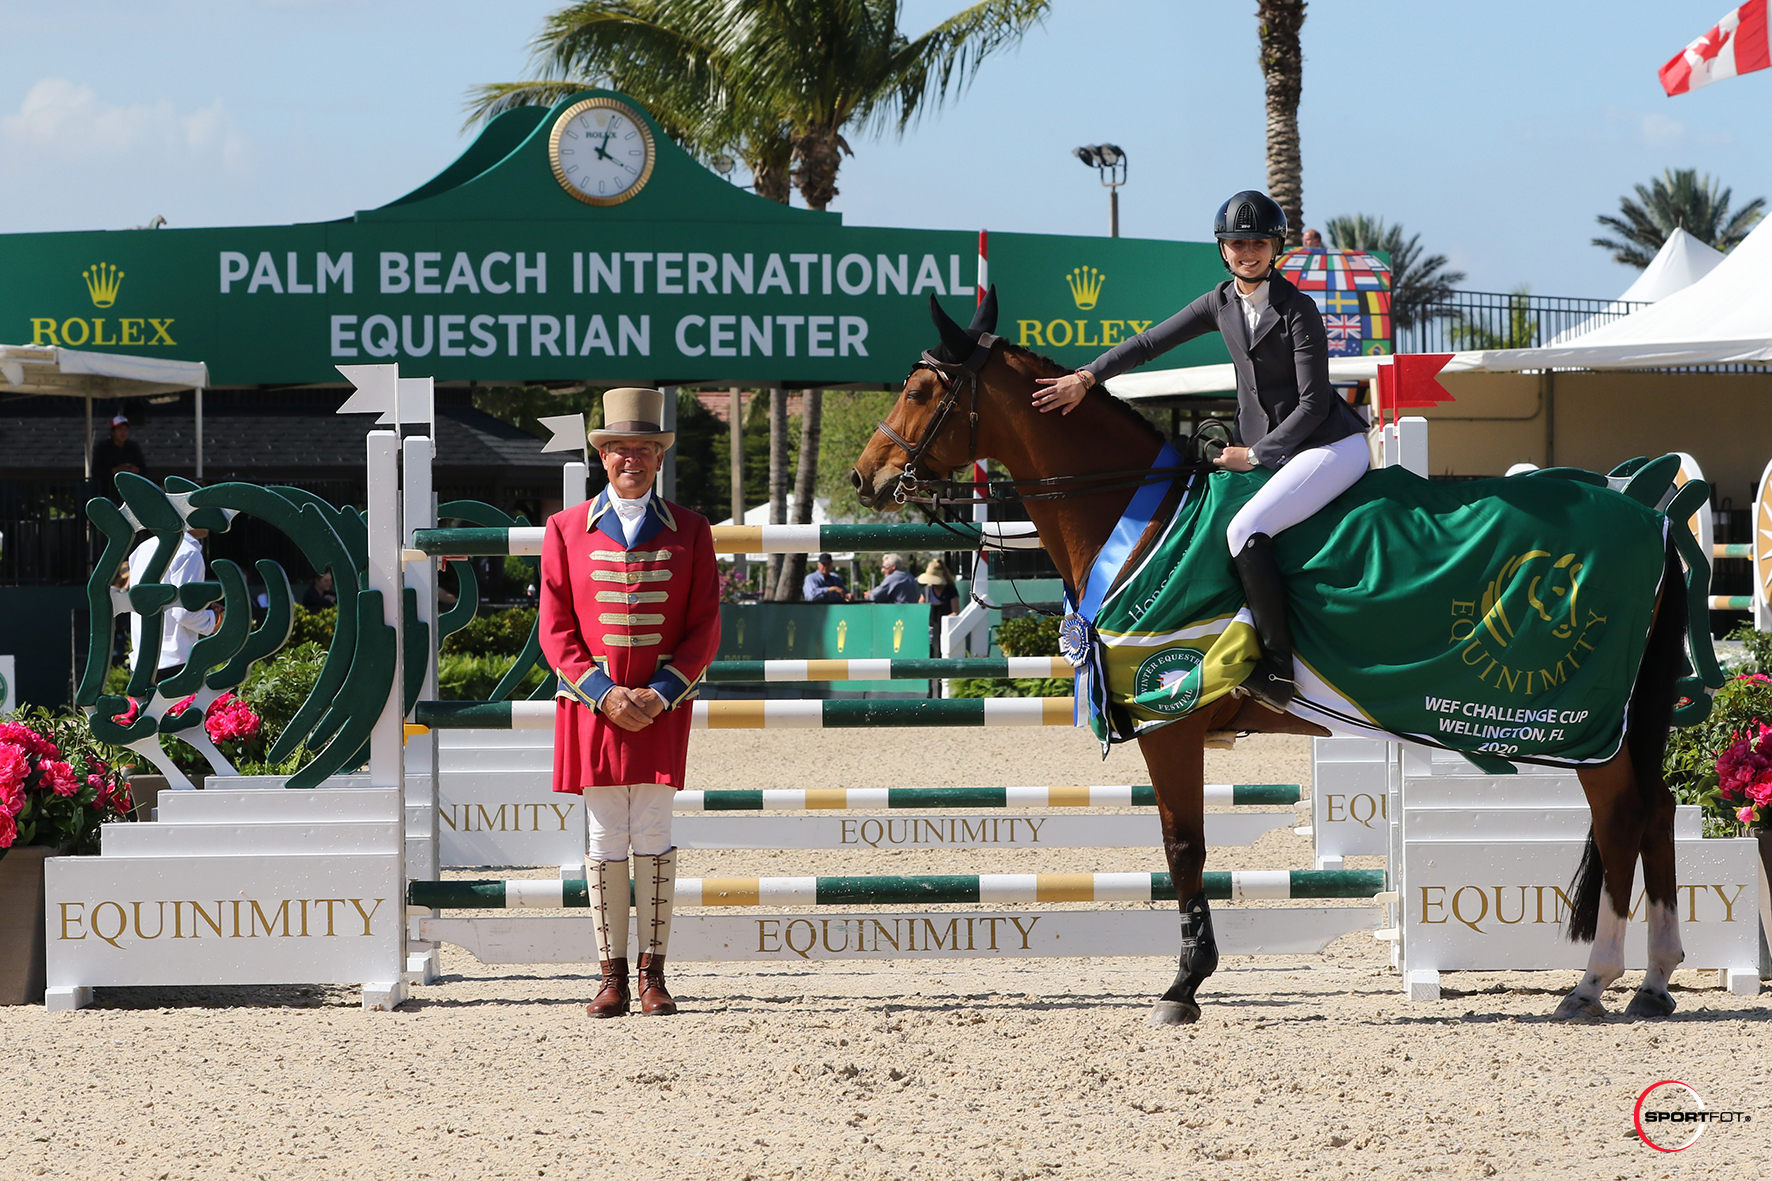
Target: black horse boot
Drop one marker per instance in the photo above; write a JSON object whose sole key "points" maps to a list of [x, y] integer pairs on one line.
{"points": [[1199, 959], [1271, 680]]}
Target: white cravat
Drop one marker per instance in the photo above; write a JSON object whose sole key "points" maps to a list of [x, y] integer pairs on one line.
{"points": [[631, 512], [1254, 304]]}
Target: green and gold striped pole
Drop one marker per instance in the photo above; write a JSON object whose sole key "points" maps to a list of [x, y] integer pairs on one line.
{"points": [[906, 890], [1125, 795], [525, 541], [728, 671], [747, 714]]}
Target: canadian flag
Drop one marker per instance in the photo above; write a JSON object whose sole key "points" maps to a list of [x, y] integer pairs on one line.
{"points": [[1736, 46]]}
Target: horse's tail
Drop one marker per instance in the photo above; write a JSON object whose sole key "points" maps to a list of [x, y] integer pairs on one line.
{"points": [[1645, 734]]}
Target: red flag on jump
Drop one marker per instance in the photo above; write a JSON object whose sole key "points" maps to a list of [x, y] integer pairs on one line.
{"points": [[1737, 45], [1410, 380]]}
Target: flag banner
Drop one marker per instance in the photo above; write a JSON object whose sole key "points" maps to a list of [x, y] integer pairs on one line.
{"points": [[1502, 618], [1353, 291], [1736, 45]]}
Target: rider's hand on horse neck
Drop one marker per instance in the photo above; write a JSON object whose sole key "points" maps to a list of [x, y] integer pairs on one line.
{"points": [[1059, 393]]}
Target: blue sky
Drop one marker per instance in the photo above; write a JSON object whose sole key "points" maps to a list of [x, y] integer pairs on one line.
{"points": [[1497, 130]]}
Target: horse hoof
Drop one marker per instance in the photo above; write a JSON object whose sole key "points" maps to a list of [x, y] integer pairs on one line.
{"points": [[1650, 1004], [1579, 1008], [1174, 1013]]}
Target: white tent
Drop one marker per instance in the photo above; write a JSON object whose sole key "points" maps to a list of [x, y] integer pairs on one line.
{"points": [[1723, 318], [33, 369], [1681, 262]]}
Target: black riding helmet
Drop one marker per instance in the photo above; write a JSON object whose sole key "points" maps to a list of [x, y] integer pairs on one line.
{"points": [[1249, 214]]}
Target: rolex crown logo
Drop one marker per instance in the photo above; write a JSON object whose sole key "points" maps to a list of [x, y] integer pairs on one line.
{"points": [[1085, 284], [102, 282]]}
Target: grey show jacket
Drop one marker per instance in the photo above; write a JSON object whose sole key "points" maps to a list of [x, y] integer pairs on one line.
{"points": [[1285, 403]]}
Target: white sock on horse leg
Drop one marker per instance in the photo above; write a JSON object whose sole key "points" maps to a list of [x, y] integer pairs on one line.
{"points": [[1605, 963], [1665, 951]]}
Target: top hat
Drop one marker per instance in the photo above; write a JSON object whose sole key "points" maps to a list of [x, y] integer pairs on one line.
{"points": [[633, 413]]}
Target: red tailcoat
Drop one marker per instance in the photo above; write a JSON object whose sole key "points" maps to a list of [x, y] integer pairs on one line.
{"points": [[611, 614]]}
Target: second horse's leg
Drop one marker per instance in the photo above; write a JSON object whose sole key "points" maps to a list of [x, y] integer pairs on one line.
{"points": [[1605, 881], [1176, 759]]}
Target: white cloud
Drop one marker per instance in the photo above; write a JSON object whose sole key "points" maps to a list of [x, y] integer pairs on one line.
{"points": [[65, 122], [1660, 131]]}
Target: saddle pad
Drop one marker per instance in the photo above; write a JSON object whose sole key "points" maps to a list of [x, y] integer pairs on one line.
{"points": [[1504, 618]]}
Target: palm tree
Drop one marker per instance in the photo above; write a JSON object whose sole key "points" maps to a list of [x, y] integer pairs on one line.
{"points": [[1677, 198], [1417, 283], [770, 80], [1282, 67]]}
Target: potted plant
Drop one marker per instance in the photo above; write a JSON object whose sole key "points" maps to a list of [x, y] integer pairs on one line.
{"points": [[57, 786]]}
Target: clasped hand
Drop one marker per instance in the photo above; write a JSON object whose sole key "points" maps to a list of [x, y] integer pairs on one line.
{"points": [[632, 709]]}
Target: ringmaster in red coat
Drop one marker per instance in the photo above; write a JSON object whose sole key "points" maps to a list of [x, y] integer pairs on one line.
{"points": [[630, 620]]}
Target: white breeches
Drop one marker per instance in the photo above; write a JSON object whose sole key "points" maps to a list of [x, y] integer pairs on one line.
{"points": [[637, 815], [1311, 480]]}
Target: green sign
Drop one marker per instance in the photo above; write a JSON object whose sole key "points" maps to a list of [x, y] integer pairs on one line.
{"points": [[579, 243]]}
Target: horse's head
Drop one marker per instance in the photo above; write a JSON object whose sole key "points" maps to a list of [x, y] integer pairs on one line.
{"points": [[927, 432]]}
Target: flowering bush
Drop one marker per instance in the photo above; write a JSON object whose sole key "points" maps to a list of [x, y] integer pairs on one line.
{"points": [[56, 784], [1725, 764], [1744, 772]]}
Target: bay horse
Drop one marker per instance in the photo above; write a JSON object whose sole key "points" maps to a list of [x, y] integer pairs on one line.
{"points": [[971, 398]]}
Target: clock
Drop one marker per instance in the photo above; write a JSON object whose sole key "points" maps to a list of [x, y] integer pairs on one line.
{"points": [[601, 150]]}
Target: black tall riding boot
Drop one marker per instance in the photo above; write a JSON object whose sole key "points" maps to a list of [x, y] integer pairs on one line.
{"points": [[1271, 681]]}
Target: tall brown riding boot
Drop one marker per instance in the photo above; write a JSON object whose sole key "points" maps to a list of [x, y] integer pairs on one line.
{"points": [[607, 884], [655, 888]]}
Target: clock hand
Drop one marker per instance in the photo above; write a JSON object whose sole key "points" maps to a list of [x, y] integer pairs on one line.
{"points": [[603, 152]]}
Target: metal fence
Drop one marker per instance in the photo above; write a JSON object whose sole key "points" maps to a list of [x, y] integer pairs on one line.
{"points": [[1506, 320]]}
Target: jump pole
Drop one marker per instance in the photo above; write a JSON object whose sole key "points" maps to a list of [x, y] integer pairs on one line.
{"points": [[996, 889], [772, 714]]}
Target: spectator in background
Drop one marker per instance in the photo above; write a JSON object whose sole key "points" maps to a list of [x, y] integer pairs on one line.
{"points": [[897, 585], [943, 599], [179, 628], [319, 594], [1313, 240], [824, 584], [116, 454]]}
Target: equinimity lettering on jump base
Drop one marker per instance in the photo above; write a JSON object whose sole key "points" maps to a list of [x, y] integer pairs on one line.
{"points": [[113, 922], [946, 830], [809, 937]]}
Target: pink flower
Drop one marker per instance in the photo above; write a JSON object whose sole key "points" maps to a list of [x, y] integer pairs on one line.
{"points": [[1756, 678], [22, 735], [181, 706], [59, 778], [230, 718], [128, 715], [14, 766], [8, 829], [1748, 815]]}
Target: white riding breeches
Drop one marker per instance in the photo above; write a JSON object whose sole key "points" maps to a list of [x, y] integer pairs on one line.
{"points": [[1311, 480], [636, 815]]}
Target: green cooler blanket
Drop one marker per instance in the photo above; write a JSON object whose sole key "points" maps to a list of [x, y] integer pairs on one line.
{"points": [[1502, 618]]}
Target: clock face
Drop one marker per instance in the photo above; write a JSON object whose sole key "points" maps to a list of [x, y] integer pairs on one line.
{"points": [[601, 151]]}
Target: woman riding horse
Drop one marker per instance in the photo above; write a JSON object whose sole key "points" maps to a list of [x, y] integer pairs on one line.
{"points": [[1289, 418]]}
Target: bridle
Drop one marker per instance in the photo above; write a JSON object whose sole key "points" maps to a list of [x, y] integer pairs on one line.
{"points": [[959, 379], [952, 378]]}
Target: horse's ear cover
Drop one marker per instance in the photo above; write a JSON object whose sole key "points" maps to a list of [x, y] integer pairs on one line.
{"points": [[956, 342], [985, 318]]}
